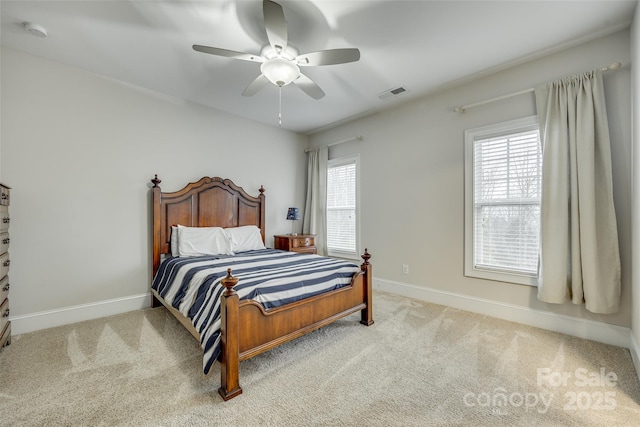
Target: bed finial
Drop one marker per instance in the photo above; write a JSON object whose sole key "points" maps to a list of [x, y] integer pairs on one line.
{"points": [[366, 256], [156, 181], [261, 190], [229, 282]]}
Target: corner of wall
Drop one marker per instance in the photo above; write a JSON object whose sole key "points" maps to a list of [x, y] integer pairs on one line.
{"points": [[635, 192]]}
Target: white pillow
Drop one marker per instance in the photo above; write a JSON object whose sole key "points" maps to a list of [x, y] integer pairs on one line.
{"points": [[198, 241], [245, 238], [174, 240]]}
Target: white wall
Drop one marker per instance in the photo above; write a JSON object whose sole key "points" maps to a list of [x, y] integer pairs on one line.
{"points": [[79, 150], [412, 172], [635, 208]]}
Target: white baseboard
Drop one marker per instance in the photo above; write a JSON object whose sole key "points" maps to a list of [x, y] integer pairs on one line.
{"points": [[583, 328], [22, 324]]}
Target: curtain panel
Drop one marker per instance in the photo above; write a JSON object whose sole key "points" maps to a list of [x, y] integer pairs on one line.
{"points": [[315, 212], [579, 253]]}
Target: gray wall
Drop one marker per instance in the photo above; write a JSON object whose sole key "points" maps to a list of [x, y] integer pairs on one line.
{"points": [[635, 57], [412, 172], [79, 150]]}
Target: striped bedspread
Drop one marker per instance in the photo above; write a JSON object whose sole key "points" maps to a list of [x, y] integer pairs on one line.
{"points": [[271, 277]]}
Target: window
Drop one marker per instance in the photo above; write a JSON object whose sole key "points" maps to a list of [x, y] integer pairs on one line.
{"points": [[342, 224], [503, 165]]}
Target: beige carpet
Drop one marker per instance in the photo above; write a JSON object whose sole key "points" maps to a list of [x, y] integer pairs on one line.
{"points": [[418, 365]]}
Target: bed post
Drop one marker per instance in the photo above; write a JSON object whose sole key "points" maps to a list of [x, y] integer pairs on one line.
{"points": [[262, 214], [366, 315], [157, 199], [230, 340]]}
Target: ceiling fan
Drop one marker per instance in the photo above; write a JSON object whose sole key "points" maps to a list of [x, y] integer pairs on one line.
{"points": [[281, 62]]}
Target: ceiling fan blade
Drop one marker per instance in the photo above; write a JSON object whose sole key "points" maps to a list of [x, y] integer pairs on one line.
{"points": [[309, 86], [275, 24], [228, 53], [260, 82], [328, 57]]}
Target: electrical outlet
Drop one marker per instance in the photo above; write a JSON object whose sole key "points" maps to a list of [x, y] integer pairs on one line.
{"points": [[405, 269]]}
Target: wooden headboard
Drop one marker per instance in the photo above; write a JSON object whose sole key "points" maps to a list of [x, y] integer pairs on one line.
{"points": [[210, 202]]}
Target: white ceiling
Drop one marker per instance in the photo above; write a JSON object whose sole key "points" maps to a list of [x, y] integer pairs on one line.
{"points": [[420, 45]]}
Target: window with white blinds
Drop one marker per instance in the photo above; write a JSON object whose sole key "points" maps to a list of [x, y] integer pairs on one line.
{"points": [[342, 207], [502, 209]]}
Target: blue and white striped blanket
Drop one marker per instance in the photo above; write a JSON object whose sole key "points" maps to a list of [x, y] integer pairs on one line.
{"points": [[271, 277]]}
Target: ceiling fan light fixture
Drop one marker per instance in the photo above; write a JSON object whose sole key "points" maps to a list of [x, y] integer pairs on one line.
{"points": [[280, 71]]}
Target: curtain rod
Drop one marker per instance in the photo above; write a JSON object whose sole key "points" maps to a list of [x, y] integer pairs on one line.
{"points": [[463, 108], [353, 138]]}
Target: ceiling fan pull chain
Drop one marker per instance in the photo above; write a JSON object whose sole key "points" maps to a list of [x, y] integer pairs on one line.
{"points": [[280, 106]]}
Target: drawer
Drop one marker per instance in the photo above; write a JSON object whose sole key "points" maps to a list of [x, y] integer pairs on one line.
{"points": [[5, 325], [306, 250], [5, 338], [4, 264], [5, 195], [4, 288], [4, 242], [4, 218], [301, 242]]}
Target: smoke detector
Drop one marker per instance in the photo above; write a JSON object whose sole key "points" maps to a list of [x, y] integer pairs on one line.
{"points": [[35, 30]]}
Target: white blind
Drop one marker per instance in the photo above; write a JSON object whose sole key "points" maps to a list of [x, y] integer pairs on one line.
{"points": [[507, 188], [341, 207]]}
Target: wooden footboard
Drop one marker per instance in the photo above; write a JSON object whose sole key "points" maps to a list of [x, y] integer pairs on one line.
{"points": [[248, 329]]}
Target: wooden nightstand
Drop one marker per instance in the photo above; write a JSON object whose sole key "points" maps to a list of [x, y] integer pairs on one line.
{"points": [[305, 243]]}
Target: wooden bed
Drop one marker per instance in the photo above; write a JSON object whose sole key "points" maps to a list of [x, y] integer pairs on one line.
{"points": [[247, 328]]}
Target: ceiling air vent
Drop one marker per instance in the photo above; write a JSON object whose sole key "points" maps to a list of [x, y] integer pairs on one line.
{"points": [[392, 92]]}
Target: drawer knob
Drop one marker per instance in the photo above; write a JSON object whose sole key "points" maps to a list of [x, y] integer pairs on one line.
{"points": [[6, 287], [6, 313], [6, 263], [5, 196], [6, 220], [6, 241]]}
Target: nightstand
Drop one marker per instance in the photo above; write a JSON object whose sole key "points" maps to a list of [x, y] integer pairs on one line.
{"points": [[305, 243]]}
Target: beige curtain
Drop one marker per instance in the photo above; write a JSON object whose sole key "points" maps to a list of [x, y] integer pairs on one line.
{"points": [[315, 212], [579, 255]]}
